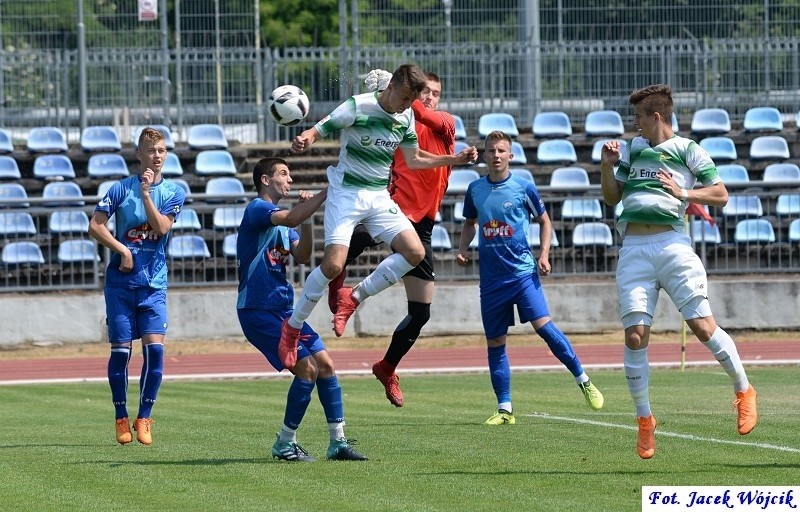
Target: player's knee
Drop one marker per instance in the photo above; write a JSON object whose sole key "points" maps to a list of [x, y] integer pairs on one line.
{"points": [[306, 369], [419, 313], [331, 269], [415, 255]]}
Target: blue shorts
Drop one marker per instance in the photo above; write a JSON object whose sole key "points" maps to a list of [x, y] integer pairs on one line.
{"points": [[262, 328], [134, 312], [497, 304]]}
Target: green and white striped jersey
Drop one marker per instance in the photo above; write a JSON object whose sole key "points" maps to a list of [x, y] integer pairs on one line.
{"points": [[644, 199], [370, 136]]}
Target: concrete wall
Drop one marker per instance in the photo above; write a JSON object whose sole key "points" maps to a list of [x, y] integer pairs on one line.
{"points": [[204, 314]]}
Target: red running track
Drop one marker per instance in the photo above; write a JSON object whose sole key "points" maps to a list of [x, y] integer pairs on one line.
{"points": [[419, 360]]}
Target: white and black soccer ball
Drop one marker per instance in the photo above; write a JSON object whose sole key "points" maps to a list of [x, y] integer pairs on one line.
{"points": [[288, 105]]}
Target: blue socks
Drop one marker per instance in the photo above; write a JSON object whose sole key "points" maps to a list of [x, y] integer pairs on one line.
{"points": [[500, 372], [297, 402], [150, 380], [330, 395], [118, 379], [561, 347]]}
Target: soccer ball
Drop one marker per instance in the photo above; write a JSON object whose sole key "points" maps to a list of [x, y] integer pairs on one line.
{"points": [[288, 105]]}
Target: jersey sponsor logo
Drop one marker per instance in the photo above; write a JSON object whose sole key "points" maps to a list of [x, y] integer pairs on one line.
{"points": [[278, 256], [495, 228], [366, 140], [642, 173], [393, 210], [391, 144], [141, 233]]}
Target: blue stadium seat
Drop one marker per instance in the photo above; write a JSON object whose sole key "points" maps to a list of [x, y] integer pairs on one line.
{"points": [[505, 123], [47, 167], [569, 177], [785, 172], [581, 208], [172, 166], [440, 238], [551, 125], [6, 142], [77, 251], [473, 244], [168, 140], [754, 231], [186, 188], [704, 231], [461, 130], [788, 205], [206, 136], [214, 162], [743, 206], [459, 146], [597, 148], [719, 148], [519, 154], [47, 139], [67, 222], [604, 123], [107, 165], [711, 121], [187, 247], [763, 119], [460, 180], [9, 170], [100, 138], [21, 253], [16, 223], [733, 173], [794, 231], [524, 173], [231, 190], [63, 193], [534, 229], [769, 147], [229, 245], [12, 195], [187, 220], [228, 217], [556, 151], [675, 126], [592, 234], [458, 212]]}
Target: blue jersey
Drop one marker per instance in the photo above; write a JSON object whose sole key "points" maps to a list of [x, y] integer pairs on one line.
{"points": [[503, 211], [124, 201], [262, 252]]}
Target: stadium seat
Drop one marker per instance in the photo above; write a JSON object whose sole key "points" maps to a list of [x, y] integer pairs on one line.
{"points": [[519, 154], [460, 180], [228, 217], [769, 147], [534, 229], [107, 165], [229, 245], [505, 123], [100, 138], [733, 173], [9, 170], [704, 231], [459, 146], [168, 140], [784, 172], [581, 208], [524, 173], [16, 223], [214, 162], [6, 142], [763, 119], [719, 148], [711, 121], [556, 151], [743, 206], [12, 196], [461, 130], [63, 193], [675, 126], [68, 222], [604, 123], [48, 167], [187, 220], [597, 148], [172, 166], [440, 238], [47, 139], [458, 212], [794, 231], [186, 189], [788, 205], [754, 231], [187, 247], [77, 251], [551, 125], [592, 234], [21, 253], [230, 189], [569, 177], [206, 136]]}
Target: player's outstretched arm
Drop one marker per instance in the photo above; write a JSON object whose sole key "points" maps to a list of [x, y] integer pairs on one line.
{"points": [[304, 141], [612, 188], [305, 208], [421, 159]]}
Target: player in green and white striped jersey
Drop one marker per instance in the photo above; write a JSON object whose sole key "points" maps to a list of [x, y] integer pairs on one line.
{"points": [[655, 182]]}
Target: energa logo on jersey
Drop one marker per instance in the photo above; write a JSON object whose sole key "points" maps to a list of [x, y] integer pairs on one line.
{"points": [[141, 233], [496, 228]]}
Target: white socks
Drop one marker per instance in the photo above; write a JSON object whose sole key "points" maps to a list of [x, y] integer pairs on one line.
{"points": [[388, 272], [724, 350], [637, 373], [316, 283]]}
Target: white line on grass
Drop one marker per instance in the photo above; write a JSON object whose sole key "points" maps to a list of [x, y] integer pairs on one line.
{"points": [[662, 433]]}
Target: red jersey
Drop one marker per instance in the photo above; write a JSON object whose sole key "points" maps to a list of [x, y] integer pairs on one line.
{"points": [[419, 192]]}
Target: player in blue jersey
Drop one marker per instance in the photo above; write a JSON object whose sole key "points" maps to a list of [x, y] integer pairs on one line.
{"points": [[501, 204], [266, 240], [145, 207]]}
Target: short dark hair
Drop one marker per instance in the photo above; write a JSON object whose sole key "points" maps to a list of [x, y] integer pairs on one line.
{"points": [[496, 136], [266, 166], [432, 77], [654, 98], [411, 76], [150, 134]]}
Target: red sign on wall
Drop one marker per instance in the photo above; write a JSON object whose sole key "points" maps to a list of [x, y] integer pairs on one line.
{"points": [[148, 10]]}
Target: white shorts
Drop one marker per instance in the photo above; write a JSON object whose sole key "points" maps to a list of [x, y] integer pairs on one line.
{"points": [[374, 209], [648, 263]]}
